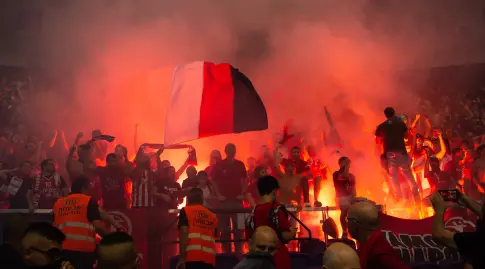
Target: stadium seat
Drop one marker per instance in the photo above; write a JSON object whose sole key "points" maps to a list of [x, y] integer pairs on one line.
{"points": [[317, 259], [315, 249], [424, 265], [300, 260], [451, 265], [173, 262], [312, 246], [226, 261], [223, 261], [349, 242]]}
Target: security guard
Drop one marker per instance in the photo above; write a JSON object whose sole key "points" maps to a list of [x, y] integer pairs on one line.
{"points": [[77, 216], [197, 234]]}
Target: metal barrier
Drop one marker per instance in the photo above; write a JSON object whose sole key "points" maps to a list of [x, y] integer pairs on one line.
{"points": [[46, 215], [291, 210]]}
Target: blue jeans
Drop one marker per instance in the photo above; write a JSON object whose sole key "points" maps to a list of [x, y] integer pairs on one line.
{"points": [[400, 162]]}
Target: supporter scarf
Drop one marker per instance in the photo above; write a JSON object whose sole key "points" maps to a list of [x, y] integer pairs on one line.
{"points": [[367, 248], [14, 185]]}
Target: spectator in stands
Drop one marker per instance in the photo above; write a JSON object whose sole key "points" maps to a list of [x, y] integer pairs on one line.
{"points": [[78, 217], [46, 187], [215, 157], [122, 154], [252, 194], [191, 181], [17, 183], [469, 244], [268, 187], [390, 134], [113, 181], [340, 256], [167, 193], [345, 192], [42, 247], [230, 177], [208, 189], [117, 251], [262, 247], [375, 250], [99, 147]]}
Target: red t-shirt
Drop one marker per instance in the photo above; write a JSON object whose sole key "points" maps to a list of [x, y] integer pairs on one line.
{"points": [[377, 253], [112, 183], [262, 218], [47, 190]]}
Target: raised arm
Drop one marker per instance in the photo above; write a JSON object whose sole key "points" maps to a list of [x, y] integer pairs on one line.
{"points": [[181, 170], [53, 139], [428, 127], [135, 138], [64, 141], [277, 159], [418, 116], [442, 151]]}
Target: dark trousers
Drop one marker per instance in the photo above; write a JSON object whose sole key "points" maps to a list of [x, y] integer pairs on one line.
{"points": [[224, 226], [305, 188], [198, 265], [79, 260]]}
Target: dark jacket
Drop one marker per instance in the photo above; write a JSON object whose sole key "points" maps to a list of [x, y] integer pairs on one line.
{"points": [[256, 261]]}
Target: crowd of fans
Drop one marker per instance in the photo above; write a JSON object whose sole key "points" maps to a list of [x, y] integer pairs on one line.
{"points": [[445, 144]]}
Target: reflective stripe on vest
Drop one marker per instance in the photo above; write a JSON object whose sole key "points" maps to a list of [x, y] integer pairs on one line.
{"points": [[81, 238], [70, 216], [76, 225], [201, 248], [201, 236]]}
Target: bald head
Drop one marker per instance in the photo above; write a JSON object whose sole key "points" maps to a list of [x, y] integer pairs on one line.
{"points": [[264, 240], [365, 212], [340, 256], [116, 250]]}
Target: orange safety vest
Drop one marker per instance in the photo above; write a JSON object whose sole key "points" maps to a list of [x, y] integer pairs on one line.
{"points": [[70, 216], [201, 246]]}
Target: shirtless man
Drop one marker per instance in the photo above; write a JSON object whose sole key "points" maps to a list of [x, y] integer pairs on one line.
{"points": [[288, 179]]}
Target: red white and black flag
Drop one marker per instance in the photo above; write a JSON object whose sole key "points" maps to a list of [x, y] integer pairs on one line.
{"points": [[208, 99]]}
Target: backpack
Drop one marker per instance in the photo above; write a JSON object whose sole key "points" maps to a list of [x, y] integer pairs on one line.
{"points": [[273, 219]]}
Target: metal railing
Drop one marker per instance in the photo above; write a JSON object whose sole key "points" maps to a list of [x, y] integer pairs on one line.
{"points": [[291, 212]]}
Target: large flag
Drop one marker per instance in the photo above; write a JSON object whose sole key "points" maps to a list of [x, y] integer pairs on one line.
{"points": [[208, 99]]}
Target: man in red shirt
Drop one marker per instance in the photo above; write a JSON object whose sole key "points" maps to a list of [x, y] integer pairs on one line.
{"points": [[46, 187], [375, 250], [112, 179], [270, 213]]}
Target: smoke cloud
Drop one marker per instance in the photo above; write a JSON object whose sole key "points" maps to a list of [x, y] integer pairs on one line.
{"points": [[301, 56]]}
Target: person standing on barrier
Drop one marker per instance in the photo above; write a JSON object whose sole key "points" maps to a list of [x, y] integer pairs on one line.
{"points": [[78, 217], [230, 177], [391, 134], [345, 192], [271, 213], [197, 231]]}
